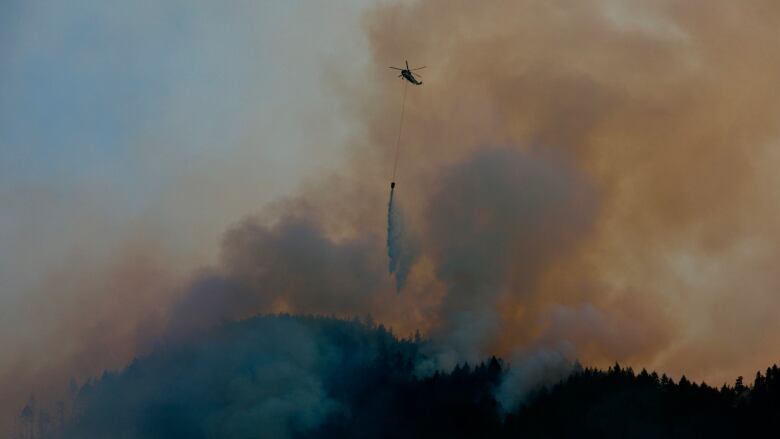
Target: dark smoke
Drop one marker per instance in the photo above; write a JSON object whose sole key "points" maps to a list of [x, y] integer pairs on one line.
{"points": [[288, 266], [494, 223]]}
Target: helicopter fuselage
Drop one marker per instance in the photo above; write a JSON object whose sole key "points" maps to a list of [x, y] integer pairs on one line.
{"points": [[409, 76]]}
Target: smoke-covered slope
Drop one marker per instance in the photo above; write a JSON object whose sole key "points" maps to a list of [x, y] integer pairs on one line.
{"points": [[273, 376], [285, 376]]}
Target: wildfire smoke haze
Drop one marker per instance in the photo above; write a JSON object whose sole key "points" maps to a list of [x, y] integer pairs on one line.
{"points": [[594, 180]]}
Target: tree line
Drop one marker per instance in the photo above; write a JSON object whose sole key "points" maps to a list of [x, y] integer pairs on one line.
{"points": [[326, 377]]}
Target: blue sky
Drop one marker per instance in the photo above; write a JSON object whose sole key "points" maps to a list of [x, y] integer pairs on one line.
{"points": [[89, 87]]}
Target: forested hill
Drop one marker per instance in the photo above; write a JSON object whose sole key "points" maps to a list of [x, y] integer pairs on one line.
{"points": [[620, 403], [285, 376]]}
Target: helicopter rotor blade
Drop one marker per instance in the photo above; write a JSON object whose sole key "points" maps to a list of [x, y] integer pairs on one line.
{"points": [[407, 64], [419, 68], [396, 68]]}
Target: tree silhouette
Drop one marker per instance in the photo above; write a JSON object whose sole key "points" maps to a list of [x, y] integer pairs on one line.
{"points": [[369, 384]]}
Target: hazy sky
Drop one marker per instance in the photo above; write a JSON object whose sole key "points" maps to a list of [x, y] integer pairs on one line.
{"points": [[179, 117], [152, 125]]}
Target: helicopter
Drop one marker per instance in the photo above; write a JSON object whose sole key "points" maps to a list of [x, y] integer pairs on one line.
{"points": [[408, 75]]}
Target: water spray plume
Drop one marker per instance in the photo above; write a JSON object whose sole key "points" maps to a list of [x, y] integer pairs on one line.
{"points": [[393, 239]]}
